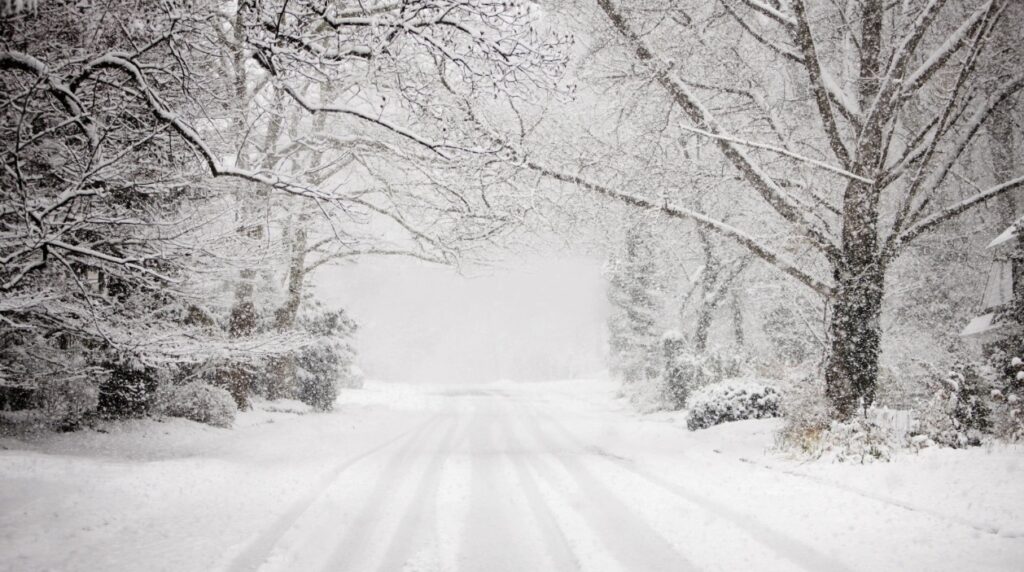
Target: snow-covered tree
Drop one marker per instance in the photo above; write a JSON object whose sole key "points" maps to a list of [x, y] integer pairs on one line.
{"points": [[633, 291], [154, 157], [844, 132]]}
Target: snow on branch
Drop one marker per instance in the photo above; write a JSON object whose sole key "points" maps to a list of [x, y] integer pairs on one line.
{"points": [[925, 145], [362, 252], [774, 14], [69, 101], [217, 167], [780, 151], [953, 43], [952, 211], [894, 85], [805, 39], [758, 249], [766, 187], [848, 107], [312, 108], [781, 50], [969, 130]]}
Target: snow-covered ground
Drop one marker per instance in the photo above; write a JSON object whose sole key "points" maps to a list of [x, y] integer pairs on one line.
{"points": [[540, 476]]}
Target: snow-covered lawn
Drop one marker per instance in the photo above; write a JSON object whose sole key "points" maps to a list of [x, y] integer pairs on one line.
{"points": [[491, 477]]}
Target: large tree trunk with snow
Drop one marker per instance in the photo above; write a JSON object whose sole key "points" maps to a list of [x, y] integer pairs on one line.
{"points": [[851, 373]]}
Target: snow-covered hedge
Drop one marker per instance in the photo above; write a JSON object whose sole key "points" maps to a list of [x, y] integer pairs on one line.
{"points": [[732, 400], [198, 402]]}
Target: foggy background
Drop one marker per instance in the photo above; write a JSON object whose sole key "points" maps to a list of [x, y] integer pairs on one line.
{"points": [[536, 318]]}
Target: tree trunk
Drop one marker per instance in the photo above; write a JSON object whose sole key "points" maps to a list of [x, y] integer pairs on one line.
{"points": [[717, 286], [707, 302], [851, 372], [242, 322], [282, 371], [281, 382], [737, 321], [700, 336], [244, 319]]}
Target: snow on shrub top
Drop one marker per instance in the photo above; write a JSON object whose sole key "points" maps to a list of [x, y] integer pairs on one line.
{"points": [[732, 400], [198, 402]]}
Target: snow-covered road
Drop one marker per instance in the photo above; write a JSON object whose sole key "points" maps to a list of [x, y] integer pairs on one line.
{"points": [[483, 478]]}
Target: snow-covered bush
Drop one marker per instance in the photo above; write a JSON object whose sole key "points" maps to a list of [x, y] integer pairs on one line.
{"points": [[732, 400], [198, 402], [958, 414], [322, 365], [686, 371], [15, 397], [318, 376], [66, 402], [806, 412], [128, 390], [810, 432], [857, 440], [1008, 400]]}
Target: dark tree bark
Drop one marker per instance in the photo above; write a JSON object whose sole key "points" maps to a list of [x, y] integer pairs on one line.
{"points": [[737, 320], [851, 371]]}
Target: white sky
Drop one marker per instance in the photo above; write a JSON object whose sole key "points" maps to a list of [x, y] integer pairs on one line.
{"points": [[538, 318]]}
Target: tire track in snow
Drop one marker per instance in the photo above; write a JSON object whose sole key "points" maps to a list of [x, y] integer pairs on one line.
{"points": [[629, 538], [789, 548], [561, 497], [360, 531], [503, 530], [419, 516], [559, 550], [486, 533], [260, 549]]}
